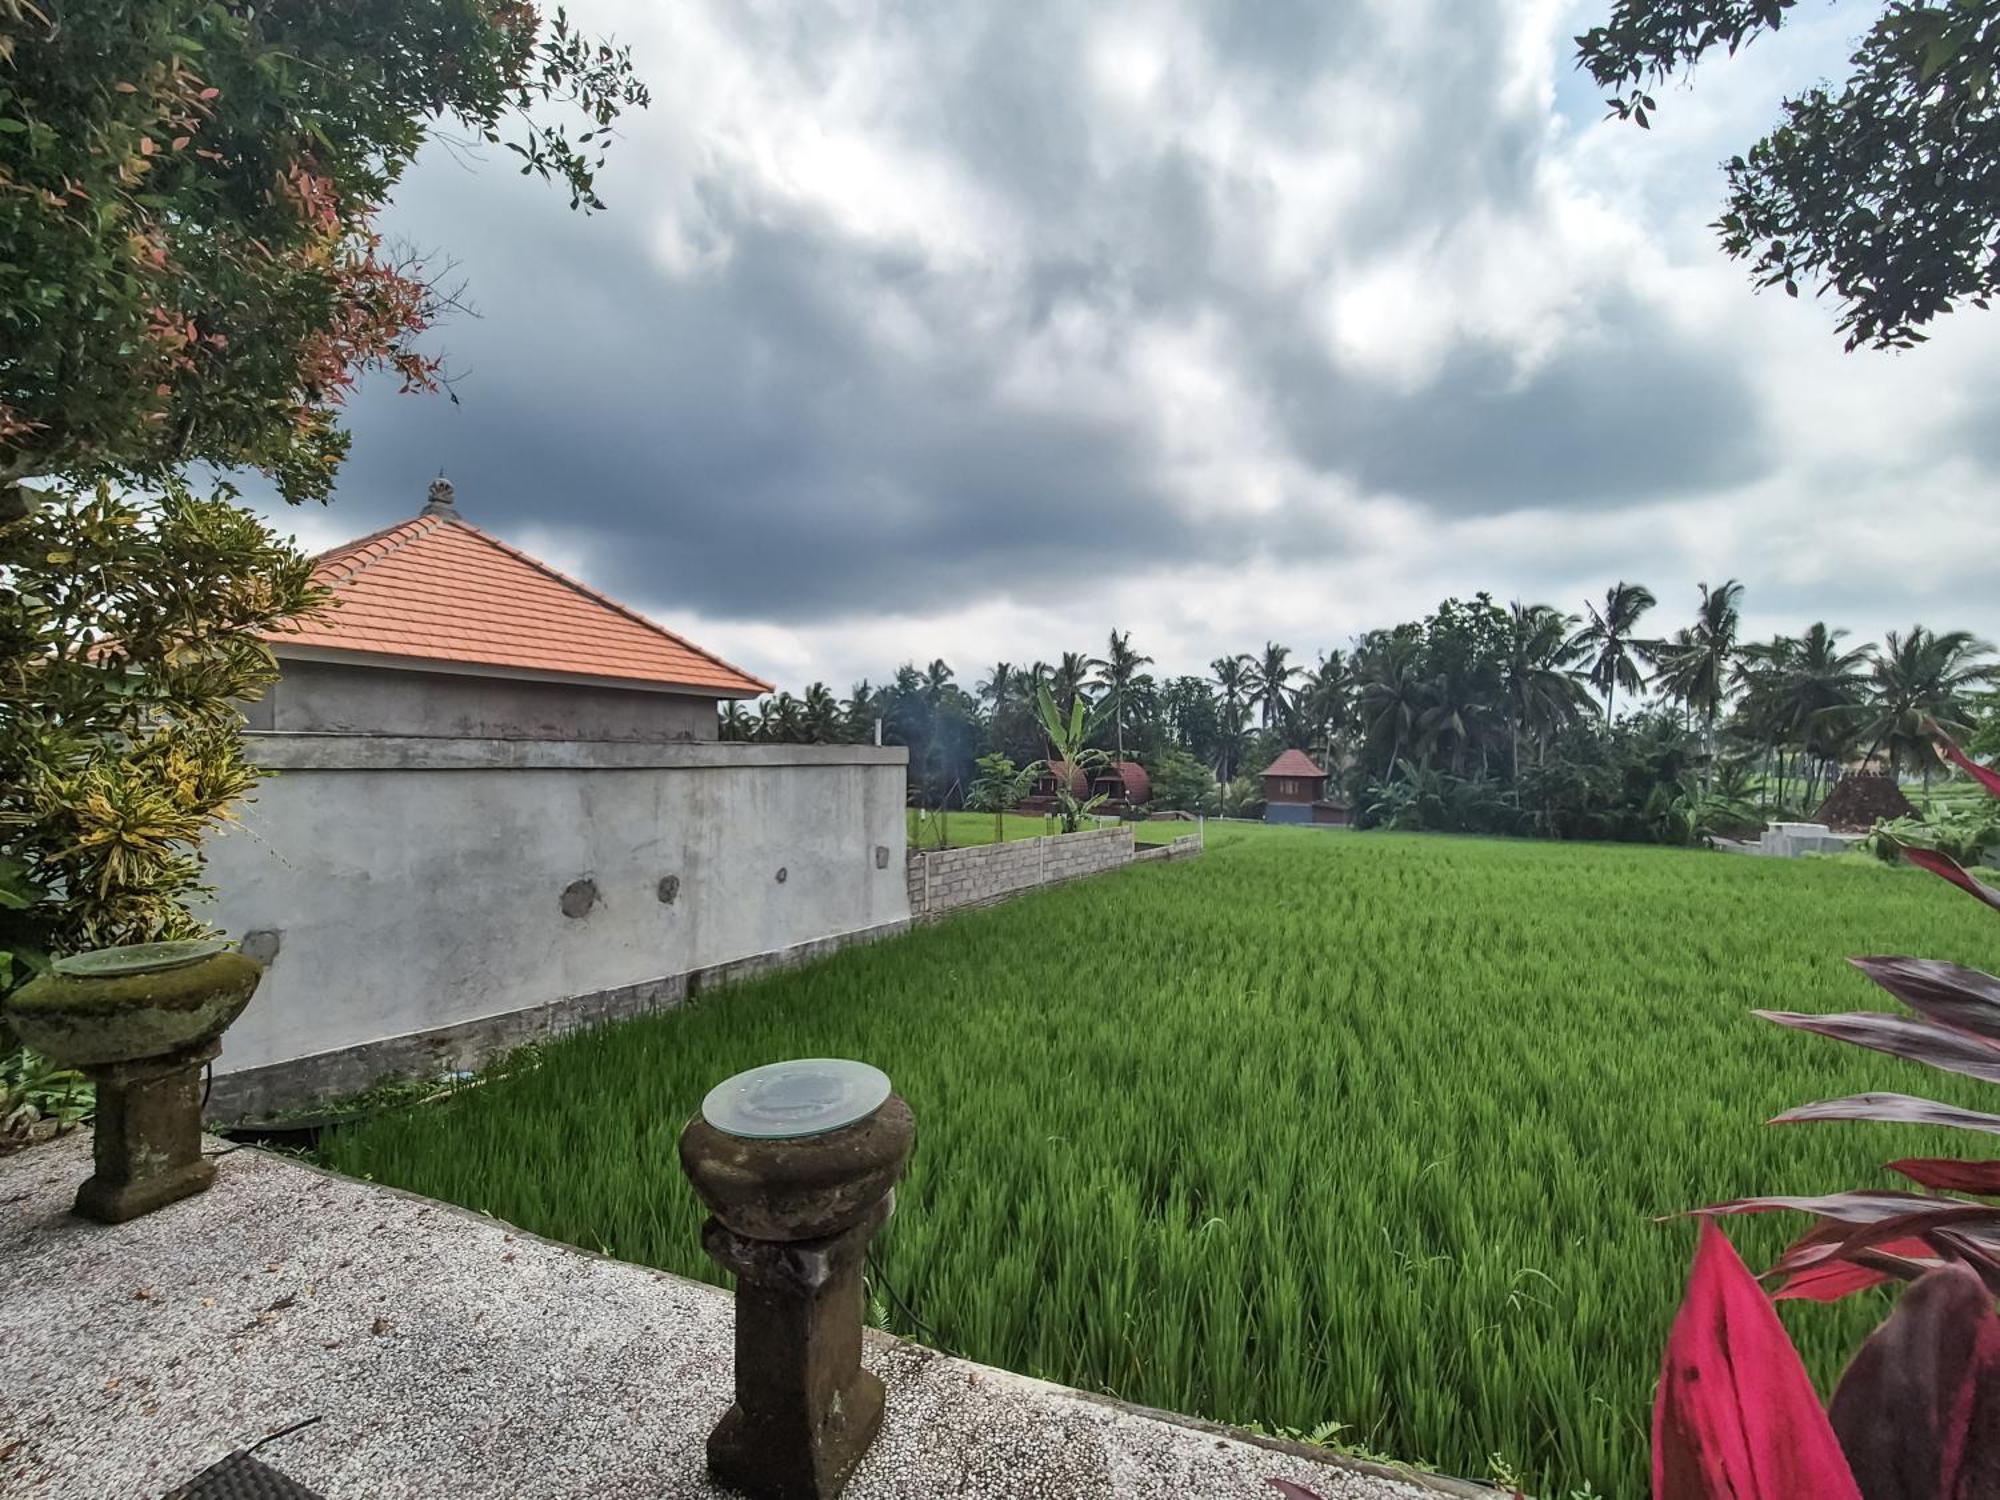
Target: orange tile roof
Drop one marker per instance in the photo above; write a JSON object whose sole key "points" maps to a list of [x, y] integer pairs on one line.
{"points": [[1293, 763], [439, 589]]}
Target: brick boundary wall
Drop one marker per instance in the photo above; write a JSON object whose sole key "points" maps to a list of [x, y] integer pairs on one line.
{"points": [[944, 879]]}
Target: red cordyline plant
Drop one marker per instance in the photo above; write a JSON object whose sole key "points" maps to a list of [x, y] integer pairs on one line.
{"points": [[1916, 1415]]}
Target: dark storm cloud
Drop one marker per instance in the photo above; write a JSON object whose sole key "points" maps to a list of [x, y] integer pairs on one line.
{"points": [[806, 424], [747, 447], [1600, 425]]}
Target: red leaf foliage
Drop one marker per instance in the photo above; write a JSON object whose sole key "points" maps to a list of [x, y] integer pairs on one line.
{"points": [[1895, 1109], [1986, 776], [1950, 1175], [1900, 1036], [1918, 1409], [1949, 994], [1736, 1417], [1950, 869]]}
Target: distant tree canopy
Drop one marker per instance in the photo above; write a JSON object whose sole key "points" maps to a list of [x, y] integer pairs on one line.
{"points": [[189, 265], [1479, 717], [1884, 192]]}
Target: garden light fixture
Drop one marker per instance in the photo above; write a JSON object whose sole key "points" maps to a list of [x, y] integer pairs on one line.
{"points": [[141, 1021], [797, 1163]]}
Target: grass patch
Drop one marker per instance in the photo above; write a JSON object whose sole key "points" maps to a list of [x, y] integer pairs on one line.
{"points": [[1367, 1128]]}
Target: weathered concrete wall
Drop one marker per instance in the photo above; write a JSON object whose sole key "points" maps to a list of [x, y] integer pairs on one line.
{"points": [[1790, 840], [941, 879], [432, 900], [323, 697]]}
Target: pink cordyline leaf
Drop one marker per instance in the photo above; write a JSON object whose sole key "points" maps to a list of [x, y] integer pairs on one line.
{"points": [[1901, 1248], [1986, 776], [1834, 1279], [1949, 994], [1808, 1275], [1736, 1417], [1886, 1245], [1950, 1175], [1918, 1409], [1898, 1109], [1900, 1036], [1950, 869], [1868, 1206]]}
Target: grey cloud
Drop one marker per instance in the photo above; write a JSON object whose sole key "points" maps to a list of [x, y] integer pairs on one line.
{"points": [[743, 441]]}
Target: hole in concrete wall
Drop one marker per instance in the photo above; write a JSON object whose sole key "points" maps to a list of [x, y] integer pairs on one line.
{"points": [[262, 945], [670, 888], [881, 856], [781, 874], [578, 897]]}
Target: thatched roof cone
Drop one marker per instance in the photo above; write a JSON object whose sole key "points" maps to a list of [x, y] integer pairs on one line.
{"points": [[1860, 799]]}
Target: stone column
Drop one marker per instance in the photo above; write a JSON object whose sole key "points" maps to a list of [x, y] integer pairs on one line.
{"points": [[148, 1141], [792, 1219]]}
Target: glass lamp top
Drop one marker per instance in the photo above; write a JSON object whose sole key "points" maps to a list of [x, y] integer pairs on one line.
{"points": [[790, 1100], [138, 958]]}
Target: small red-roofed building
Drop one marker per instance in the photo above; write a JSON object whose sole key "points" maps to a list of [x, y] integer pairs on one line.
{"points": [[500, 809], [435, 628], [1295, 792]]}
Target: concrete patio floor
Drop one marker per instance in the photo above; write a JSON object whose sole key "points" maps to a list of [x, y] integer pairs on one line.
{"points": [[445, 1353]]}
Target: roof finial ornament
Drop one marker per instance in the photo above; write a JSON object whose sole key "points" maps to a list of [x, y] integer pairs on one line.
{"points": [[440, 501]]}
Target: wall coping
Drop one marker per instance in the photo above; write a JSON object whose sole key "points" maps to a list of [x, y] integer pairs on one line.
{"points": [[280, 751]]}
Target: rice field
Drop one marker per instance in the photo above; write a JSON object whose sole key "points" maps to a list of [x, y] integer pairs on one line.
{"points": [[1365, 1129]]}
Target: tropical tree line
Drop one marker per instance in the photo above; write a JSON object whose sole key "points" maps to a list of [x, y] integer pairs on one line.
{"points": [[1602, 722]]}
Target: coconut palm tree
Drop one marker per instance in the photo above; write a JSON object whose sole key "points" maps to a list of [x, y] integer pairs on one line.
{"points": [[1116, 671], [860, 711], [1002, 685], [1611, 640], [819, 713], [1393, 695], [736, 723], [781, 720], [1921, 675], [1231, 675], [1696, 668], [1068, 678], [1270, 681], [1325, 699], [1542, 689]]}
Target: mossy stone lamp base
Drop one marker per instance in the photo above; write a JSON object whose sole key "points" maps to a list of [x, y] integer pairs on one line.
{"points": [[798, 1164], [805, 1410], [148, 1145], [140, 1021]]}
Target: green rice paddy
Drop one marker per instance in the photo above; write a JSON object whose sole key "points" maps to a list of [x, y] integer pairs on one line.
{"points": [[1321, 1127]]}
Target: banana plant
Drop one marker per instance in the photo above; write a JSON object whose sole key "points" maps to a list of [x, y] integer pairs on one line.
{"points": [[1071, 757]]}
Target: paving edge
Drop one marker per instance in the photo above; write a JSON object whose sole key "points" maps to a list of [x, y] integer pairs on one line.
{"points": [[1443, 1484]]}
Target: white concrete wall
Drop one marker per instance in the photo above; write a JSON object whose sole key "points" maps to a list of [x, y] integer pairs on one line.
{"points": [[413, 884], [326, 697]]}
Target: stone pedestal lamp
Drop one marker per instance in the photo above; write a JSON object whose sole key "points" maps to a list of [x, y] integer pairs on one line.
{"points": [[140, 1021], [797, 1163]]}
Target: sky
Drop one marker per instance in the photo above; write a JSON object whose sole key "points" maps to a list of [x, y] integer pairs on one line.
{"points": [[951, 329]]}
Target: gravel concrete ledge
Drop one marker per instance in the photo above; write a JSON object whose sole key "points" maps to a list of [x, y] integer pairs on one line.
{"points": [[446, 1354]]}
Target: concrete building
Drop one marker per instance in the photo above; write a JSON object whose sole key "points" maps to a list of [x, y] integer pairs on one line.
{"points": [[499, 810], [436, 628], [1295, 792]]}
